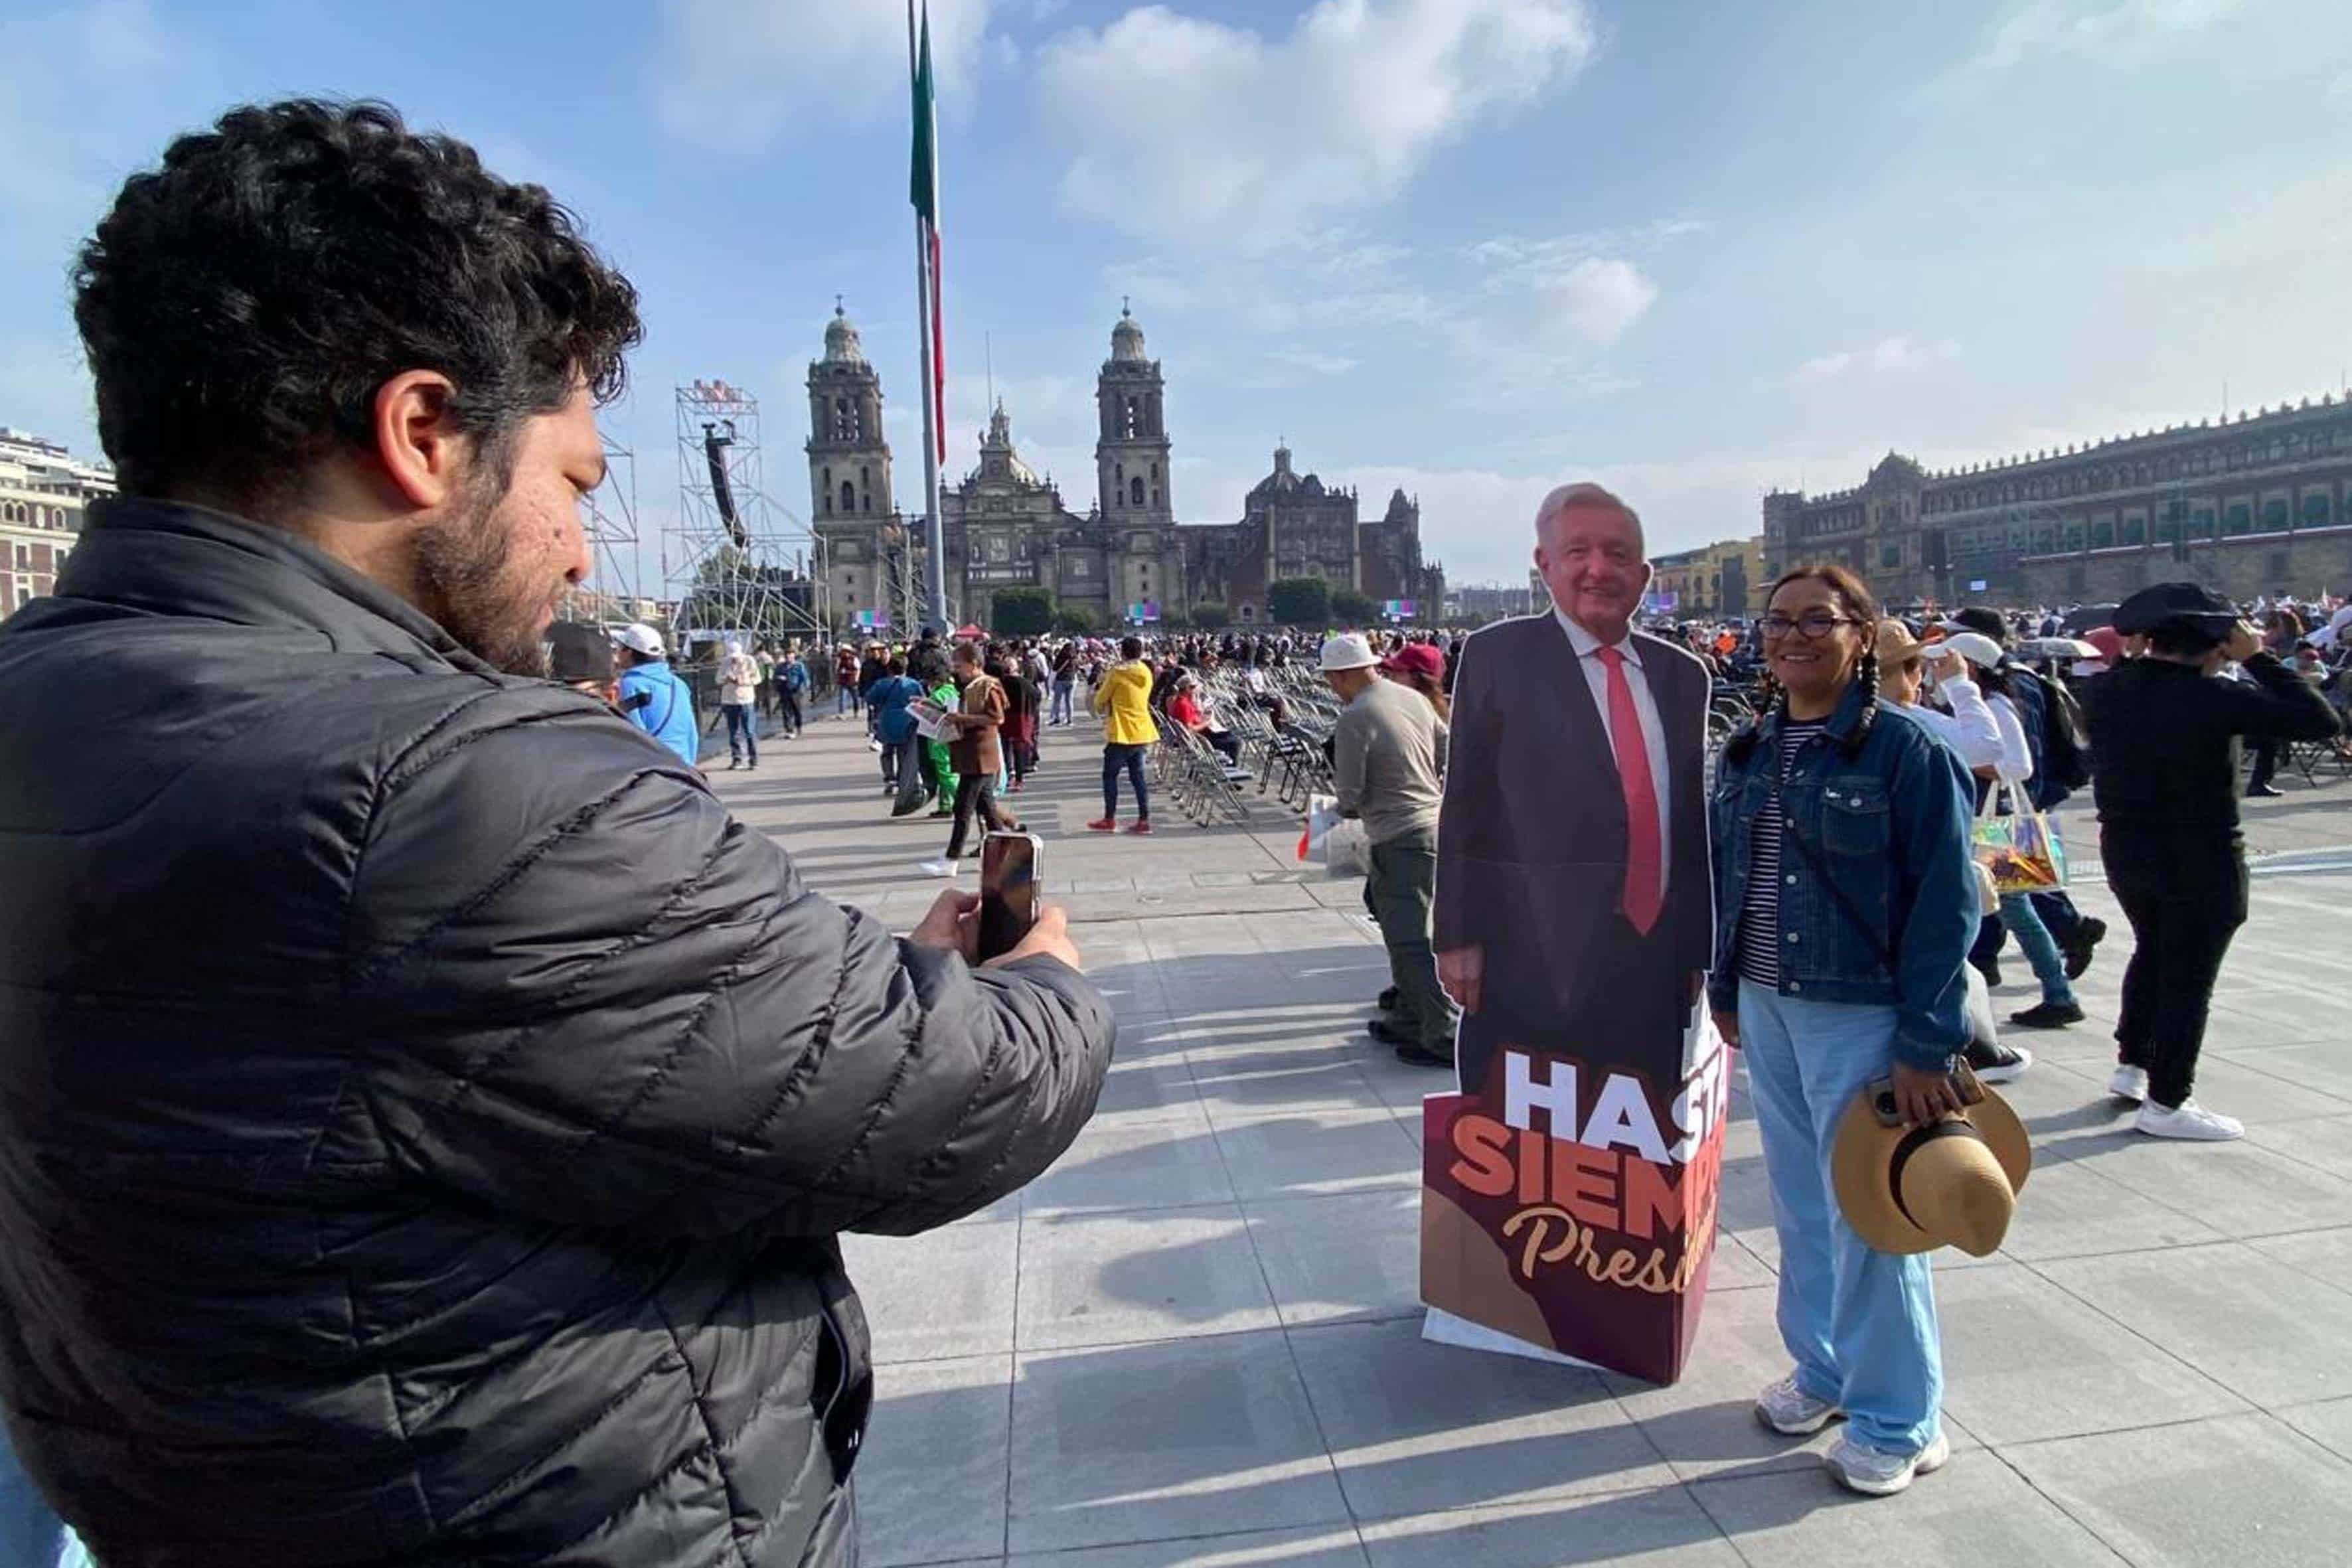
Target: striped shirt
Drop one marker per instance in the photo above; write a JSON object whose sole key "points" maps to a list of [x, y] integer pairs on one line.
{"points": [[1760, 914]]}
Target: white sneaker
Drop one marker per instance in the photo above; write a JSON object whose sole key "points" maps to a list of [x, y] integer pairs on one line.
{"points": [[2187, 1120], [2014, 1060], [936, 868], [2128, 1083], [1793, 1413], [1873, 1472]]}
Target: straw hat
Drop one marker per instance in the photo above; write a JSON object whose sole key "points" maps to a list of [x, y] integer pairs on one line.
{"points": [[1953, 1183], [1895, 643]]}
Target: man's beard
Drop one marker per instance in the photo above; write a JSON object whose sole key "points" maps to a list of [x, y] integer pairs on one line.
{"points": [[492, 610]]}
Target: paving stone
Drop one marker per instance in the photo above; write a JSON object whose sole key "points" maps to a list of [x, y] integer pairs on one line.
{"points": [[2327, 1423], [2262, 1328], [930, 1478], [1168, 1163], [1334, 1259], [946, 1293], [2245, 1490], [2073, 1210], [1661, 1526], [1974, 1511], [2323, 1254], [2025, 1360], [2241, 1189], [1317, 1151], [1154, 1442], [2324, 1145], [1152, 1274], [1331, 1546], [1415, 1426]]}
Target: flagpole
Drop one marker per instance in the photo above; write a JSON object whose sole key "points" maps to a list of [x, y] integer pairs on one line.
{"points": [[926, 291]]}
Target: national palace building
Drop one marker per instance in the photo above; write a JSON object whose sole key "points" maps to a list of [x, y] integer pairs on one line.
{"points": [[2251, 505], [1005, 526]]}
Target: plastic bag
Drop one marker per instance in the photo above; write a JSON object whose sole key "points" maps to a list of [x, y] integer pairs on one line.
{"points": [[2023, 853], [1332, 840]]}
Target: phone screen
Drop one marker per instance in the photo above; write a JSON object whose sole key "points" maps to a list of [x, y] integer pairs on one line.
{"points": [[1008, 891]]}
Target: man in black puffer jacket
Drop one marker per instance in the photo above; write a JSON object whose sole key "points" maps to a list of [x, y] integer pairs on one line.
{"points": [[425, 1115]]}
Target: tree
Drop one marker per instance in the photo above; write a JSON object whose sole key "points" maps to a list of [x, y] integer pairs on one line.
{"points": [[1074, 620], [1021, 611], [1299, 601], [1211, 616], [1355, 609], [1172, 619]]}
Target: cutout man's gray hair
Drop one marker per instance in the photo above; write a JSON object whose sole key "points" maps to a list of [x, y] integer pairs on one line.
{"points": [[1586, 494]]}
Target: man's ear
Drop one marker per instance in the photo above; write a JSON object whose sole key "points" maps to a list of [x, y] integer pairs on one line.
{"points": [[422, 453]]}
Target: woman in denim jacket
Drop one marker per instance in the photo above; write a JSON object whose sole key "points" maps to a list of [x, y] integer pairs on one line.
{"points": [[1845, 905]]}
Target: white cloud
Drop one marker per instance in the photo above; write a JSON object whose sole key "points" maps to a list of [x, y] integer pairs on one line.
{"points": [[1197, 131], [1596, 300], [1887, 356], [2110, 32], [743, 72]]}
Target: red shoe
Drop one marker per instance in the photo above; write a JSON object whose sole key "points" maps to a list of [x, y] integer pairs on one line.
{"points": [[1106, 825], [1143, 824]]}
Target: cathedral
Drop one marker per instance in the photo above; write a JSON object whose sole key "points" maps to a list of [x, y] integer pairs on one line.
{"points": [[1005, 527]]}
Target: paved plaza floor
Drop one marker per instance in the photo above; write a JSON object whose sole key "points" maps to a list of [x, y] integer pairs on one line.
{"points": [[1195, 1340]]}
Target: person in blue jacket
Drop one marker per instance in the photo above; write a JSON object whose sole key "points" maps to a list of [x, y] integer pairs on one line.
{"points": [[652, 697], [887, 698], [1845, 902]]}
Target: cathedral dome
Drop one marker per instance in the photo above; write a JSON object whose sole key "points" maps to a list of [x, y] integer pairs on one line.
{"points": [[1127, 338], [841, 345]]}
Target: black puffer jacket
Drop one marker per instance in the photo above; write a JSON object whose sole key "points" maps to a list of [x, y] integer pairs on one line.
{"points": [[424, 1113]]}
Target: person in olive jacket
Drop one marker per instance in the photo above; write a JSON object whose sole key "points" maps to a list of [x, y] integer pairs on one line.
{"points": [[425, 1114]]}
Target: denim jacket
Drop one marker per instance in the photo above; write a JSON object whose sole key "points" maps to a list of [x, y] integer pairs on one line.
{"points": [[1890, 826]]}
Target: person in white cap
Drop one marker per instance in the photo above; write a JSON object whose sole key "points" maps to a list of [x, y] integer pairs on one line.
{"points": [[652, 696], [1388, 754], [739, 688]]}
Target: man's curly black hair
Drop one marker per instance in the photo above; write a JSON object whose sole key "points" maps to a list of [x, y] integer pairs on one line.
{"points": [[242, 303]]}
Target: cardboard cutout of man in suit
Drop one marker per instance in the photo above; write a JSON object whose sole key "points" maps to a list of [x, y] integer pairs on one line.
{"points": [[1574, 911]]}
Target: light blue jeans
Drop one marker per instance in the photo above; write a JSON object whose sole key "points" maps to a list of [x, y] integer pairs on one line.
{"points": [[2024, 923], [1860, 1324], [29, 1532]]}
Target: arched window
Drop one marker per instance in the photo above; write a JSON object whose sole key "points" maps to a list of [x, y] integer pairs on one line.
{"points": [[848, 495], [1135, 491]]}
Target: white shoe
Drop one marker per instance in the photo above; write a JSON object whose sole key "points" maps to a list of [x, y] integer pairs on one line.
{"points": [[2128, 1083], [1873, 1472], [936, 868], [1791, 1412], [2187, 1120], [2014, 1060]]}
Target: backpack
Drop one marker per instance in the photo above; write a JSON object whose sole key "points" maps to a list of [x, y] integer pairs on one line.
{"points": [[2066, 738]]}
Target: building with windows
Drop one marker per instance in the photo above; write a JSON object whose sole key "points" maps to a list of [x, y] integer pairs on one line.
{"points": [[44, 492], [1720, 579], [2249, 505], [1006, 526]]}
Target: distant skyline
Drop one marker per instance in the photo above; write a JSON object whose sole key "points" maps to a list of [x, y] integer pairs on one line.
{"points": [[1467, 247]]}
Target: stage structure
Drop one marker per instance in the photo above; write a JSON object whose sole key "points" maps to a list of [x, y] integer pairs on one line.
{"points": [[739, 563], [608, 516]]}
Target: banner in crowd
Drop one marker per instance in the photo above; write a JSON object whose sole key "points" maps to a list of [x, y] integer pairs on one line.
{"points": [[1569, 1186]]}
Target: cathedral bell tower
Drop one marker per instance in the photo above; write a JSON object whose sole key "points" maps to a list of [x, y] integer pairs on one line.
{"points": [[1131, 454], [849, 462]]}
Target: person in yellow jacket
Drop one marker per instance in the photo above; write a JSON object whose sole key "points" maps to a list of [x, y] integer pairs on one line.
{"points": [[1123, 698]]}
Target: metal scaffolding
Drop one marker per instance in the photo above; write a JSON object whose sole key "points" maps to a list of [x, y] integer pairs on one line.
{"points": [[739, 563], [609, 518]]}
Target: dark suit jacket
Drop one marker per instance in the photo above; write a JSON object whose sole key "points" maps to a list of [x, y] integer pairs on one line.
{"points": [[1531, 840]]}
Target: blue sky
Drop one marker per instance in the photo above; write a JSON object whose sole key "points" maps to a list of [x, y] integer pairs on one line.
{"points": [[1472, 247]]}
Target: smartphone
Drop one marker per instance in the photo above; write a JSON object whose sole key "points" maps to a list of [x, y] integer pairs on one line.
{"points": [[1008, 890]]}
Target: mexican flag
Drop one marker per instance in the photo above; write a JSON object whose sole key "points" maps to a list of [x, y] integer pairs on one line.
{"points": [[923, 190]]}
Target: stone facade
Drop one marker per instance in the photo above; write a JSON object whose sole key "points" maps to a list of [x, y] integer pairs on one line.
{"points": [[2251, 505], [43, 494], [1725, 578], [1004, 526]]}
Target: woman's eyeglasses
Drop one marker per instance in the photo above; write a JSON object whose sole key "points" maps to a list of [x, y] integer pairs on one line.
{"points": [[1815, 625]]}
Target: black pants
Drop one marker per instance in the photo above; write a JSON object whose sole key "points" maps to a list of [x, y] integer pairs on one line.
{"points": [[1227, 744], [974, 791], [791, 701], [2185, 902], [2266, 761]]}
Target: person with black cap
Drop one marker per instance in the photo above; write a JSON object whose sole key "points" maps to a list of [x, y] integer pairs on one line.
{"points": [[581, 657], [2167, 741]]}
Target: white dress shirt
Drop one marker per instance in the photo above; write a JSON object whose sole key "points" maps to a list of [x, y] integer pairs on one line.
{"points": [[1653, 730]]}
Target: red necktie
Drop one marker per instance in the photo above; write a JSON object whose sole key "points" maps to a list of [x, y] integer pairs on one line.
{"points": [[1644, 855]]}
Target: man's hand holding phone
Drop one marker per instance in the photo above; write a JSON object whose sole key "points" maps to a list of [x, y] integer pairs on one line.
{"points": [[952, 925]]}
